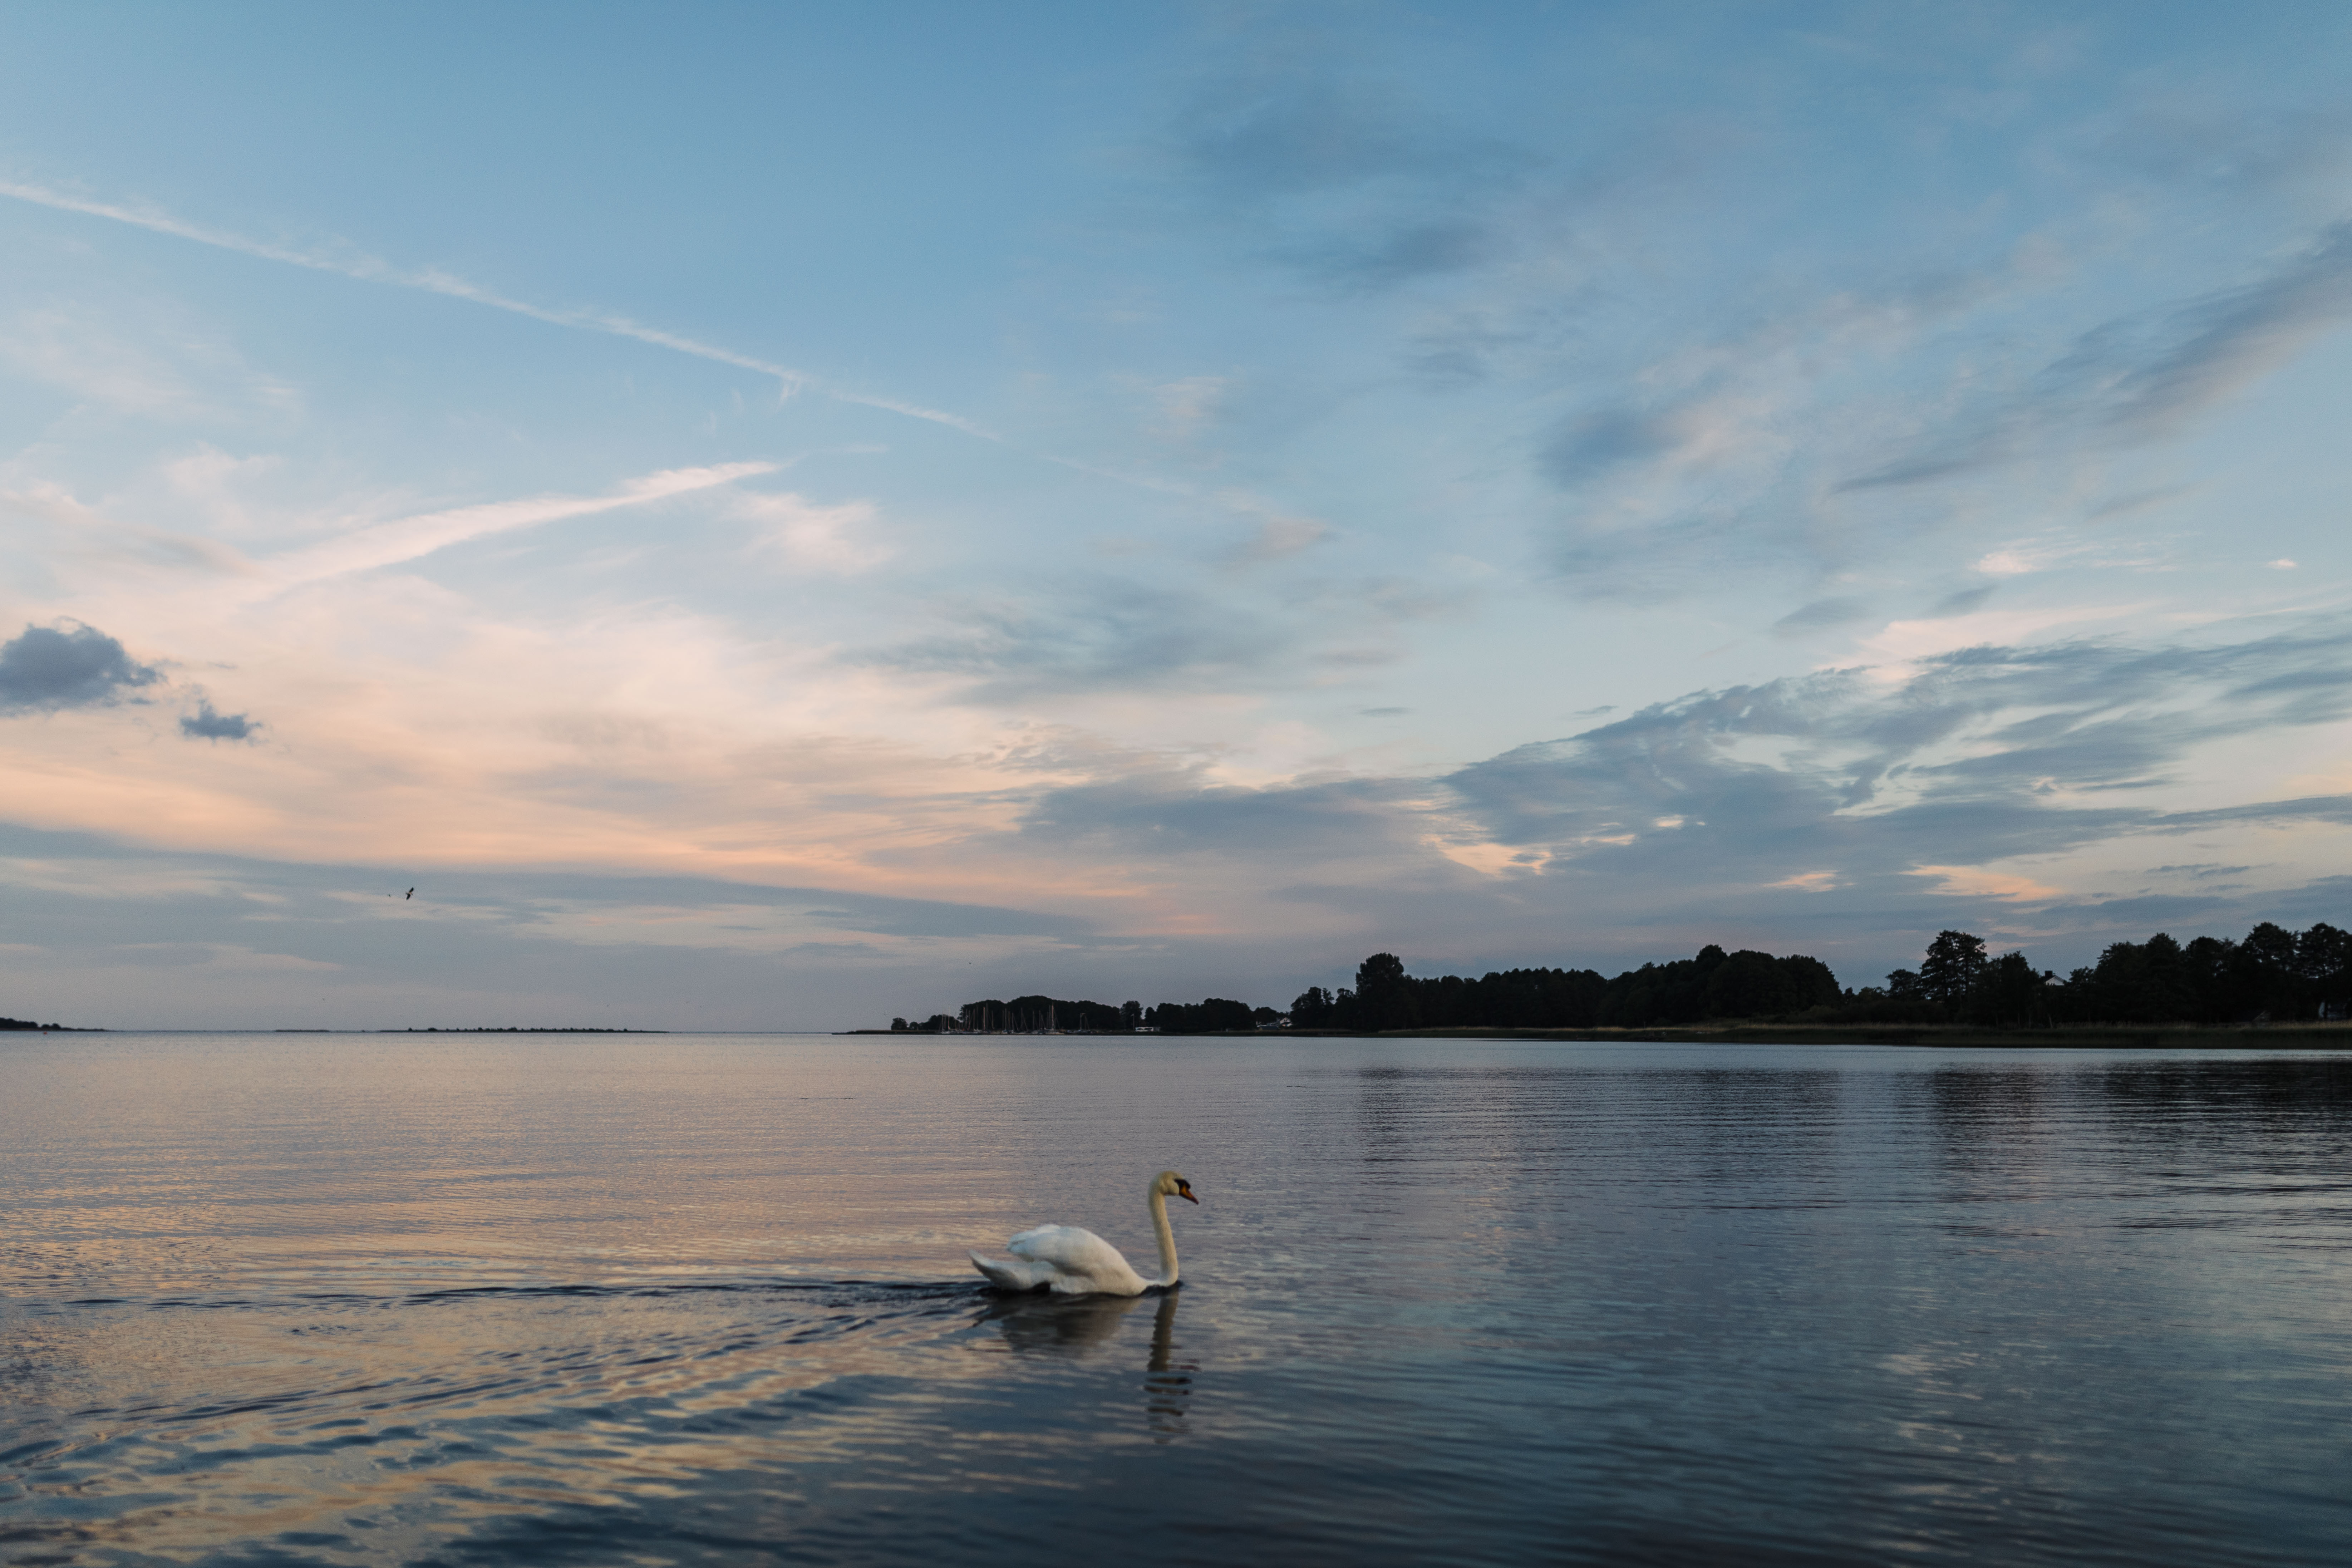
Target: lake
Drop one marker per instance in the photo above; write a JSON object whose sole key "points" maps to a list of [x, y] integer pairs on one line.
{"points": [[464, 1299]]}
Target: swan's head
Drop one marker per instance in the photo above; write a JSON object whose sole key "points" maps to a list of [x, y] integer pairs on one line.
{"points": [[1171, 1185]]}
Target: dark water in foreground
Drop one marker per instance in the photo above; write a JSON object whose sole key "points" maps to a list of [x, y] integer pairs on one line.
{"points": [[703, 1300]]}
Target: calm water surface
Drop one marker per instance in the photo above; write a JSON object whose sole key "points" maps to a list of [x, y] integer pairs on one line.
{"points": [[703, 1299]]}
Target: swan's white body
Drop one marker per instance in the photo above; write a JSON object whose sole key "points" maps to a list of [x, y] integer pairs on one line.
{"points": [[1073, 1262]]}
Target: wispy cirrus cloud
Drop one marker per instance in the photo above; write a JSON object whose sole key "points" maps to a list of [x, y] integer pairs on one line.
{"points": [[409, 538], [839, 539], [2140, 378], [166, 373]]}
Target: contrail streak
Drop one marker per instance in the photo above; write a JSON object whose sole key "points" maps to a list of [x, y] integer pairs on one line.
{"points": [[365, 269]]}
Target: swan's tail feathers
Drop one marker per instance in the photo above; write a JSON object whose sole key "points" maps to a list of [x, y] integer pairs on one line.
{"points": [[1011, 1274]]}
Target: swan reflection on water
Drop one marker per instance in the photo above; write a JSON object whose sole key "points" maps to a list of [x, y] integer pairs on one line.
{"points": [[1079, 1328]]}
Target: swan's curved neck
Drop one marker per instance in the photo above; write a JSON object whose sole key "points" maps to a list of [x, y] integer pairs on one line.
{"points": [[1167, 1237]]}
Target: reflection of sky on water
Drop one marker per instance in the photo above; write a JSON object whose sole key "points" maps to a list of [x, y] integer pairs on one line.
{"points": [[704, 1299]]}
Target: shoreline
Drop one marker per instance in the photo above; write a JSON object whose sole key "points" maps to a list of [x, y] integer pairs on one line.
{"points": [[2074, 1037]]}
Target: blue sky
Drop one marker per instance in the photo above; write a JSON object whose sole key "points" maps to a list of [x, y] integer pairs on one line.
{"points": [[777, 516]]}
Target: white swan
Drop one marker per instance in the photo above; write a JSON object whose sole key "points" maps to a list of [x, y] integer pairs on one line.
{"points": [[1073, 1262]]}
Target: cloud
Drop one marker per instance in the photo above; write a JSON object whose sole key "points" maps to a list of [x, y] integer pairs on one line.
{"points": [[47, 669], [1185, 407], [1843, 812], [1970, 757], [1278, 537], [814, 537], [1606, 439], [1961, 602], [1178, 813], [1846, 812], [169, 372], [408, 538], [1821, 614], [1291, 132], [128, 936], [1410, 250], [2141, 378], [2235, 338], [1105, 636], [205, 724], [1351, 178], [126, 544]]}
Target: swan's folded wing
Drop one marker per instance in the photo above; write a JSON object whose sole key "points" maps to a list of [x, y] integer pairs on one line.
{"points": [[1070, 1250], [1012, 1273]]}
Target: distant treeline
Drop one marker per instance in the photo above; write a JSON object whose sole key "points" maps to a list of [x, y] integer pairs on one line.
{"points": [[1031, 1015], [1714, 984], [2274, 973], [25, 1023]]}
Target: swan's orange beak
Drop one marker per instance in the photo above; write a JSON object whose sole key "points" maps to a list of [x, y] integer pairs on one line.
{"points": [[1186, 1193]]}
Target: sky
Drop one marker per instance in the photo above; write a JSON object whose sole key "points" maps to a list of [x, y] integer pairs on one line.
{"points": [[780, 516]]}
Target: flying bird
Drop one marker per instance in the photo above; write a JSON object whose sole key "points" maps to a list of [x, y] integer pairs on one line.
{"points": [[408, 895]]}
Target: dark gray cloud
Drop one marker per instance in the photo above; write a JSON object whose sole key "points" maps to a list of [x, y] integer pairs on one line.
{"points": [[1964, 601], [2141, 378], [206, 725], [1604, 439], [1977, 756], [1866, 780], [1173, 814], [1412, 249], [47, 669], [1348, 179], [2233, 337], [1799, 813], [1270, 133], [1110, 635], [1113, 633], [1462, 352]]}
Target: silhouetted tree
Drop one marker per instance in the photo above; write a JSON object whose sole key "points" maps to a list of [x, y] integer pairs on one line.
{"points": [[2323, 956], [1312, 1009], [2009, 994], [1384, 1000], [1955, 959]]}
